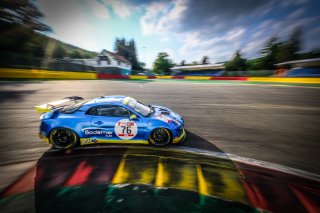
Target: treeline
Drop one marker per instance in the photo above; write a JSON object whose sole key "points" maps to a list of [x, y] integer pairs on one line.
{"points": [[274, 51], [22, 34]]}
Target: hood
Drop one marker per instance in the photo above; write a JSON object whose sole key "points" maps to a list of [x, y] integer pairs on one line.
{"points": [[166, 114]]}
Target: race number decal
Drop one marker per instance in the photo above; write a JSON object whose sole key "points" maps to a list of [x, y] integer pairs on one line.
{"points": [[164, 118], [126, 129]]}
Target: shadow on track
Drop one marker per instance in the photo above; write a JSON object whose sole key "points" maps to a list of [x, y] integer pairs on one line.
{"points": [[195, 141], [136, 179], [6, 95]]}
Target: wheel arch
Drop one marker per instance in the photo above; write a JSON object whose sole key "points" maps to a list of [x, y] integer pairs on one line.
{"points": [[63, 127], [161, 127]]}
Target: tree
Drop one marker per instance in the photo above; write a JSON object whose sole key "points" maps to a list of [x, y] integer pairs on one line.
{"points": [[295, 41], [22, 13], [205, 60], [237, 63], [59, 52], [74, 54], [276, 51], [128, 51], [271, 53], [183, 63], [19, 23], [162, 64], [194, 63]]}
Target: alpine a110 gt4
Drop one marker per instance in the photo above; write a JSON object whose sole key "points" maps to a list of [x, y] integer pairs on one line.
{"points": [[72, 121]]}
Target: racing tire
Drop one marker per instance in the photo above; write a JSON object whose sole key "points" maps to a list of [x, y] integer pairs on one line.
{"points": [[160, 137], [63, 138]]}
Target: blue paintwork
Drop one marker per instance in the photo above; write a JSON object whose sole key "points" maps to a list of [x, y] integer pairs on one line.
{"points": [[103, 127]]}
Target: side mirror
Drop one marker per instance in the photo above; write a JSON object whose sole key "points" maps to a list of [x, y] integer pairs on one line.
{"points": [[133, 117]]}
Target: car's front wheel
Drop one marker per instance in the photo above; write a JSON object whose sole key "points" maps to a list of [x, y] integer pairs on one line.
{"points": [[63, 138], [160, 137]]}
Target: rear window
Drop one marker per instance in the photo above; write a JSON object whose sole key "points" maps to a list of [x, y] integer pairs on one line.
{"points": [[72, 108]]}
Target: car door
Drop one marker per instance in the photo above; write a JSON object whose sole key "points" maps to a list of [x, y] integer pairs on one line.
{"points": [[112, 123]]}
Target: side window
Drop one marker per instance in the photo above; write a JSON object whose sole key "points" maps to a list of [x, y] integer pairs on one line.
{"points": [[92, 111], [121, 112], [106, 110], [109, 110]]}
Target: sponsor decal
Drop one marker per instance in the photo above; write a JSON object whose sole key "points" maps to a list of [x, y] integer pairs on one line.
{"points": [[86, 140], [102, 132], [126, 129], [163, 118]]}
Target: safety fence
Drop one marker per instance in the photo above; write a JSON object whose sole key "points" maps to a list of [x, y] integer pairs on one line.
{"points": [[9, 73]]}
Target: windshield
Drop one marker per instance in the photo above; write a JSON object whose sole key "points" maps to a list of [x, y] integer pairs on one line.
{"points": [[139, 107], [72, 108]]}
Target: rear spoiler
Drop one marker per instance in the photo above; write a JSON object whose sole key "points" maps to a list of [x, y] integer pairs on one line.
{"points": [[57, 104]]}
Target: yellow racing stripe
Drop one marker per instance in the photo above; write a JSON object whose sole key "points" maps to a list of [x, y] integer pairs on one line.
{"points": [[285, 80], [120, 174], [138, 77], [197, 77], [160, 179], [87, 141], [44, 74], [202, 185]]}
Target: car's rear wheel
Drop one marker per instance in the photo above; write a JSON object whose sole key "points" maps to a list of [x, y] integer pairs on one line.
{"points": [[63, 138], [160, 137]]}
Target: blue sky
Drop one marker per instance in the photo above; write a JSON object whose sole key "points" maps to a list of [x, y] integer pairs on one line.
{"points": [[185, 29]]}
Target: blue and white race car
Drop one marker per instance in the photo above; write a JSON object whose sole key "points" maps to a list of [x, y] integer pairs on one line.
{"points": [[71, 121]]}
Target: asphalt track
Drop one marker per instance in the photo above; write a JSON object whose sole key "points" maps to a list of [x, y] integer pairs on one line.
{"points": [[276, 124]]}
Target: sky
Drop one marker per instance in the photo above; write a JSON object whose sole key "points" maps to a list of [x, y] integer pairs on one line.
{"points": [[185, 29]]}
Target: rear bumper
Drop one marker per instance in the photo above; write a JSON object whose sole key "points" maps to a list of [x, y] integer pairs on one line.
{"points": [[181, 138]]}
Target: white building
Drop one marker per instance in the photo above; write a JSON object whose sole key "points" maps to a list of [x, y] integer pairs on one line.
{"points": [[107, 62]]}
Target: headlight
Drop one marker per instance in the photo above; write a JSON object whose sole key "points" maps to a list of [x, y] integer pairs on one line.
{"points": [[176, 122]]}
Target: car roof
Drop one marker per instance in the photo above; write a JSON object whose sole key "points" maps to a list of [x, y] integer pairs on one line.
{"points": [[114, 99]]}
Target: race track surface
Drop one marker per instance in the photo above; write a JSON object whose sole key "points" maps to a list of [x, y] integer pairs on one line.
{"points": [[277, 124]]}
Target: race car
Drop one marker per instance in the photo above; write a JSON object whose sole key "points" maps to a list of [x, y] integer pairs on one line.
{"points": [[72, 121]]}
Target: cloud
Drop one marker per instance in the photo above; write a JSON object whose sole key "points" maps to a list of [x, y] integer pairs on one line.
{"points": [[213, 28], [297, 13], [67, 20], [287, 3], [72, 24], [120, 8], [149, 22], [218, 14], [99, 9], [218, 28], [217, 48]]}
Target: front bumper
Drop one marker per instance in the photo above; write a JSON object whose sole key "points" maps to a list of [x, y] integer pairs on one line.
{"points": [[181, 138], [43, 137]]}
